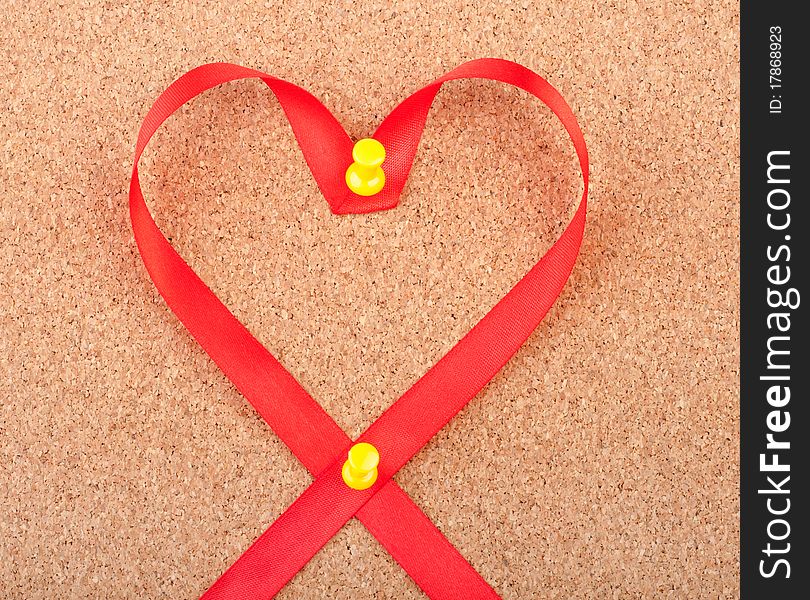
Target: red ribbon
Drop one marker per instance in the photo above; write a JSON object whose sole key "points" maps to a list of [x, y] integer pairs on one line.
{"points": [[386, 511]]}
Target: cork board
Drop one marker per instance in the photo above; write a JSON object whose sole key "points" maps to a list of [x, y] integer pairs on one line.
{"points": [[602, 462]]}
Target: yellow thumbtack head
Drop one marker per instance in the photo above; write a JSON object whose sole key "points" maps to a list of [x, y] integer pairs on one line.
{"points": [[360, 471], [365, 175]]}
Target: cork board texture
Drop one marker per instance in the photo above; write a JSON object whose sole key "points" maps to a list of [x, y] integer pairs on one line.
{"points": [[602, 462]]}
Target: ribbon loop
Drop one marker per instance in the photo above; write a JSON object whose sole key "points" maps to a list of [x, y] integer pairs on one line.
{"points": [[327, 504]]}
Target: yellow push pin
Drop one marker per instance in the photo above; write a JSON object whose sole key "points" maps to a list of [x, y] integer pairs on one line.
{"points": [[365, 175], [360, 471]]}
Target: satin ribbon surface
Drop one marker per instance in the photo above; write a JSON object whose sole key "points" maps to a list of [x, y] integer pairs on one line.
{"points": [[402, 430]]}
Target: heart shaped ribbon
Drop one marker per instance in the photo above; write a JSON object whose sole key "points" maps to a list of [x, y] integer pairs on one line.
{"points": [[402, 430]]}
